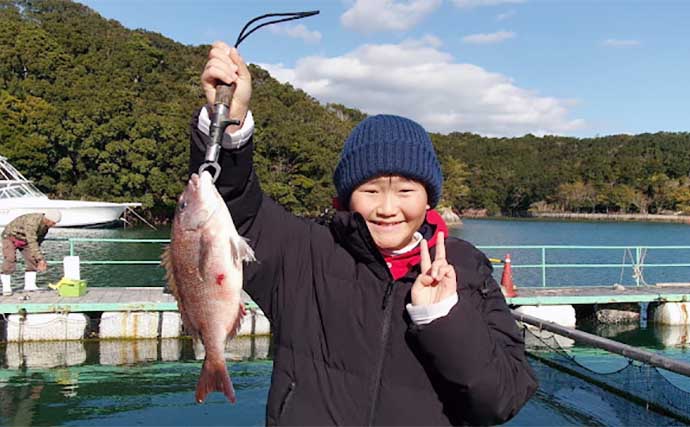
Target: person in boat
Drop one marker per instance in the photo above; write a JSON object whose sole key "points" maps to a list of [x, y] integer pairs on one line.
{"points": [[381, 317], [25, 234]]}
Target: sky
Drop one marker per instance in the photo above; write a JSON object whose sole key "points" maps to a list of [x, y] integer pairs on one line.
{"points": [[494, 67]]}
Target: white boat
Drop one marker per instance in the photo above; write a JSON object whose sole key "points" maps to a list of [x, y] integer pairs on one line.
{"points": [[19, 196]]}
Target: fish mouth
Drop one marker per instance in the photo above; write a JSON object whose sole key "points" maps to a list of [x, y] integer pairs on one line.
{"points": [[200, 187]]}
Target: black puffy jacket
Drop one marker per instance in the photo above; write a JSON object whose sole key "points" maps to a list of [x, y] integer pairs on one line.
{"points": [[345, 350]]}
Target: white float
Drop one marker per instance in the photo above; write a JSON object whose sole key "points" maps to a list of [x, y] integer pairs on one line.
{"points": [[46, 326], [171, 324], [262, 326], [133, 324], [563, 315], [672, 313]]}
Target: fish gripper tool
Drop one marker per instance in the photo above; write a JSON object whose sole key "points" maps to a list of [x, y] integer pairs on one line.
{"points": [[219, 121]]}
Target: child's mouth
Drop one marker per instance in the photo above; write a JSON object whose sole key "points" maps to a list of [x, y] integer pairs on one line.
{"points": [[386, 225]]}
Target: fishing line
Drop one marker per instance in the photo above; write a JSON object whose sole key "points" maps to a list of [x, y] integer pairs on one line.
{"points": [[289, 17]]}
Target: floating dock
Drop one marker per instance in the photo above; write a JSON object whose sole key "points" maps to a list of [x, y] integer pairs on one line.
{"points": [[149, 312], [106, 313], [601, 295]]}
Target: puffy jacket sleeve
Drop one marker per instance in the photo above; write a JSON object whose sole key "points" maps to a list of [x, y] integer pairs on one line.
{"points": [[477, 350], [277, 237]]}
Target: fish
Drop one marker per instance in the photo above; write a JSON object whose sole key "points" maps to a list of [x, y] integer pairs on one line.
{"points": [[203, 264]]}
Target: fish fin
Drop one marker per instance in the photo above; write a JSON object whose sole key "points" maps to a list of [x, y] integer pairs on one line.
{"points": [[214, 377], [235, 329], [167, 264], [241, 251]]}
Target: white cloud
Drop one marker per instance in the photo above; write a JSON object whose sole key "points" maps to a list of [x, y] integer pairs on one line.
{"points": [[621, 43], [496, 37], [466, 4], [387, 15], [503, 16], [298, 32], [417, 80]]}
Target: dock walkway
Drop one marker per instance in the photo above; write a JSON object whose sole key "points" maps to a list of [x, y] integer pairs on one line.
{"points": [[100, 299], [96, 299], [601, 295]]}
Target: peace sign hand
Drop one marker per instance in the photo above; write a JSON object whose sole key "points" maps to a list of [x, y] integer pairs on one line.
{"points": [[437, 280]]}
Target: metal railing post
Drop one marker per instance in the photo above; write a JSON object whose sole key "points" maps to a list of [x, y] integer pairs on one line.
{"points": [[636, 269], [543, 267]]}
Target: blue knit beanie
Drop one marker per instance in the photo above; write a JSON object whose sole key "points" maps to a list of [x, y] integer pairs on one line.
{"points": [[388, 145]]}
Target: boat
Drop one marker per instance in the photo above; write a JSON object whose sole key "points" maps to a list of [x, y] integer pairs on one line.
{"points": [[19, 196]]}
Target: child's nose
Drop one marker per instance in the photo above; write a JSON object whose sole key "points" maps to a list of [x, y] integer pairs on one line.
{"points": [[388, 205]]}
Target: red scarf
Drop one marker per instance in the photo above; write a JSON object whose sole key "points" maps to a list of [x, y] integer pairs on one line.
{"points": [[400, 264]]}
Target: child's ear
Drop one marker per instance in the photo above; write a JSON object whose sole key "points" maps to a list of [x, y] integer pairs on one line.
{"points": [[428, 207]]}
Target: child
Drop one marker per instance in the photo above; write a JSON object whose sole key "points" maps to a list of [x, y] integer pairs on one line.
{"points": [[379, 319]]}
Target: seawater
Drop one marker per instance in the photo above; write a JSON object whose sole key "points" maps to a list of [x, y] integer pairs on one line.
{"points": [[151, 382]]}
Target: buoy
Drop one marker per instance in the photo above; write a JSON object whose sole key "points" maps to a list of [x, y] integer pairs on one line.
{"points": [[507, 279]]}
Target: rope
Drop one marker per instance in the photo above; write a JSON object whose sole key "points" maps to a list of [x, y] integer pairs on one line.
{"points": [[128, 209]]}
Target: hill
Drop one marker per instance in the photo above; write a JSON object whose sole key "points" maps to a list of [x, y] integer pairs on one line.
{"points": [[92, 110]]}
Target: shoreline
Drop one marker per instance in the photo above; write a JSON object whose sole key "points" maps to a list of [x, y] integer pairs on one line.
{"points": [[588, 217]]}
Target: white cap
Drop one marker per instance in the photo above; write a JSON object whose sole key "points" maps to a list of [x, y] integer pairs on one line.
{"points": [[53, 215]]}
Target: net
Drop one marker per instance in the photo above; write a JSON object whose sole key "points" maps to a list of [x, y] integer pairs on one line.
{"points": [[651, 387]]}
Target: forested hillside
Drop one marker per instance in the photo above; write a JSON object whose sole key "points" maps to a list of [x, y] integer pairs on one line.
{"points": [[90, 109]]}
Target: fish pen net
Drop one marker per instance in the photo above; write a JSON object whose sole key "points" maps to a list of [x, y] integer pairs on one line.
{"points": [[647, 385]]}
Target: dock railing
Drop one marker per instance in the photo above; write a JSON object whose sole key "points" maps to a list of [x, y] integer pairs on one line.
{"points": [[541, 260], [634, 258]]}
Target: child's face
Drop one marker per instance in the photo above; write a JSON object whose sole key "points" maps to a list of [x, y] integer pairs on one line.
{"points": [[394, 208]]}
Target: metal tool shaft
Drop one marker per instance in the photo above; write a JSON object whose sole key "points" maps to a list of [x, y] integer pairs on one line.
{"points": [[219, 121]]}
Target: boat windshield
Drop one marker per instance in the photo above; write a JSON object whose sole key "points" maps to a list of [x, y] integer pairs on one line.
{"points": [[13, 184]]}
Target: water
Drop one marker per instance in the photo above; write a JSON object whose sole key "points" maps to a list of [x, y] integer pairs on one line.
{"points": [[152, 382]]}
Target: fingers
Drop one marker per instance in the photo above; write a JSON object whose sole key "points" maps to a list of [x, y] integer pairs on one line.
{"points": [[242, 69], [224, 65], [440, 247], [425, 263], [217, 69], [221, 46]]}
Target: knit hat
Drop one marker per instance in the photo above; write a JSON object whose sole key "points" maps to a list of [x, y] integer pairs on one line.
{"points": [[53, 215], [388, 145]]}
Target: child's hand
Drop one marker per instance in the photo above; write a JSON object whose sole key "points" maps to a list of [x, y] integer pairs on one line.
{"points": [[227, 66], [437, 280]]}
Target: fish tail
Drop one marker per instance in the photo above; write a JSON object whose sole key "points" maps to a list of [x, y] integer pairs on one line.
{"points": [[214, 377]]}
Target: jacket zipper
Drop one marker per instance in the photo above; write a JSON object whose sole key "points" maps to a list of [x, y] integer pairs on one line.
{"points": [[387, 317], [385, 332]]}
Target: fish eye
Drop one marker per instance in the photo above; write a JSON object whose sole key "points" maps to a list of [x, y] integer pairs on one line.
{"points": [[182, 205]]}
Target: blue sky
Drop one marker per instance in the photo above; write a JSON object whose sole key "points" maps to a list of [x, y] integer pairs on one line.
{"points": [[494, 67]]}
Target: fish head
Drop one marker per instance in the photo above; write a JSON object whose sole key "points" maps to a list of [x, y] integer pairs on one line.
{"points": [[198, 202]]}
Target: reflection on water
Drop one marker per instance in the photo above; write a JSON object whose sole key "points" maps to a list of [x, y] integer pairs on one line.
{"points": [[672, 335], [127, 352], [118, 381], [51, 354], [44, 354]]}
